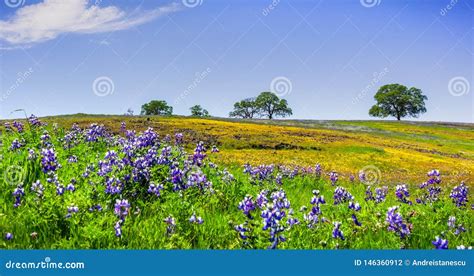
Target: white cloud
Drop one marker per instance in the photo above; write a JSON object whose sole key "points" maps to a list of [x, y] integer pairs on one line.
{"points": [[51, 18]]}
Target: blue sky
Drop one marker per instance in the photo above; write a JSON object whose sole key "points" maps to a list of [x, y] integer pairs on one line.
{"points": [[327, 58]]}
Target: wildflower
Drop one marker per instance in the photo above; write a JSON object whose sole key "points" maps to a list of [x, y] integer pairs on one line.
{"points": [[49, 162], [16, 144], [122, 208], [334, 177], [31, 154], [451, 222], [459, 195], [38, 188], [440, 243], [123, 126], [395, 222], [118, 228], [18, 193], [247, 205], [354, 219], [71, 210], [402, 194], [336, 232], [195, 219], [214, 149], [178, 138], [317, 170], [462, 247], [199, 154], [8, 236], [354, 206], [241, 229], [459, 230], [380, 194], [155, 189], [341, 195], [171, 224], [34, 121], [72, 159], [18, 126]]}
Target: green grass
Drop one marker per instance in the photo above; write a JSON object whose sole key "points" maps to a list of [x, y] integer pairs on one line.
{"points": [[144, 227]]}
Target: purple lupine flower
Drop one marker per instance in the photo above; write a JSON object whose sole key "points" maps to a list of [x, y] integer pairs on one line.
{"points": [[72, 209], [8, 236], [354, 206], [451, 221], [178, 138], [31, 154], [312, 218], [123, 126], [402, 194], [113, 185], [195, 219], [214, 149], [262, 198], [380, 194], [155, 189], [351, 178], [38, 188], [247, 205], [18, 193], [177, 176], [118, 228], [278, 179], [199, 180], [171, 225], [70, 187], [440, 243], [317, 170], [272, 214], [459, 230], [354, 219], [334, 177], [122, 208], [34, 121], [94, 132], [96, 207], [341, 195], [459, 195], [395, 222], [241, 229], [16, 144], [18, 126], [368, 194], [72, 159], [292, 221], [336, 232], [46, 140], [199, 154], [49, 162]]}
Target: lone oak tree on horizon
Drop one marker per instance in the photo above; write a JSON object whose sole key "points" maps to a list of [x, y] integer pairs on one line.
{"points": [[398, 101]]}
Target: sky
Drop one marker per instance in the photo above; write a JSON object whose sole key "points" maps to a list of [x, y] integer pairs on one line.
{"points": [[326, 58]]}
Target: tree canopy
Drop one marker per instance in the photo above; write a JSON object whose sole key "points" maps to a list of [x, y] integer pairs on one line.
{"points": [[198, 111], [398, 101], [270, 105], [246, 109], [156, 107]]}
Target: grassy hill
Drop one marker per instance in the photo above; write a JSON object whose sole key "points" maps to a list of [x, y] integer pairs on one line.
{"points": [[402, 151]]}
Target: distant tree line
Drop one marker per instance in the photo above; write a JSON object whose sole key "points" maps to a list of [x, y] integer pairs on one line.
{"points": [[391, 100]]}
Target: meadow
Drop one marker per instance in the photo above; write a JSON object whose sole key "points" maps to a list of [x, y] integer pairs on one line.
{"points": [[138, 182]]}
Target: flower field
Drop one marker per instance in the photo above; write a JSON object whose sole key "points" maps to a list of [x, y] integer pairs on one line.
{"points": [[166, 183]]}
